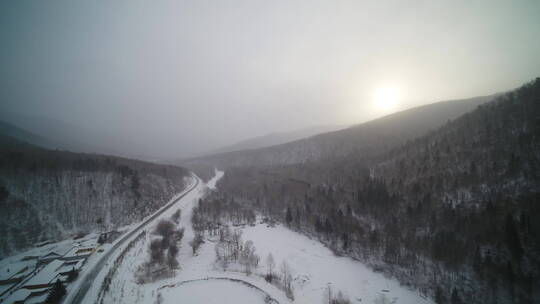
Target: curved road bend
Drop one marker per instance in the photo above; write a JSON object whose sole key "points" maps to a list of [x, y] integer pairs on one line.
{"points": [[90, 277]]}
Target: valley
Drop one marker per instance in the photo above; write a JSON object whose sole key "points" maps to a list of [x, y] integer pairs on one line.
{"points": [[314, 268]]}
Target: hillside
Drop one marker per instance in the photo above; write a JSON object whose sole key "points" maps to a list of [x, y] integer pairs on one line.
{"points": [[450, 213], [277, 138], [10, 130], [365, 139], [72, 137], [47, 194]]}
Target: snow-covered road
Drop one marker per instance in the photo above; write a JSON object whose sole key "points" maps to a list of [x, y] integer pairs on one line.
{"points": [[86, 283]]}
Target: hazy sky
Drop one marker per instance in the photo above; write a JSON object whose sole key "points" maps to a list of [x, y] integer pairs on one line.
{"points": [[187, 76]]}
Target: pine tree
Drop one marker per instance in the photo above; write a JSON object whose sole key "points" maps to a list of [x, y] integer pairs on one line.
{"points": [[288, 216], [345, 239], [455, 299], [439, 296], [512, 237], [56, 293]]}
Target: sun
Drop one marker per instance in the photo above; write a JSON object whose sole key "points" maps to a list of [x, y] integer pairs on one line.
{"points": [[386, 98]]}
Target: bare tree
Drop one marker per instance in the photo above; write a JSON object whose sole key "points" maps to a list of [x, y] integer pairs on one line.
{"points": [[286, 278], [248, 258], [171, 256], [271, 264]]}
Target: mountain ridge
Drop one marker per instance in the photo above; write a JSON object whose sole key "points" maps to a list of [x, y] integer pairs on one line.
{"points": [[382, 133]]}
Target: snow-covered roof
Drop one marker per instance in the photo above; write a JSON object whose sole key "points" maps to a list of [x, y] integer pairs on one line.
{"points": [[6, 287], [22, 294], [12, 269], [74, 263], [70, 266], [39, 299], [45, 275], [50, 255]]}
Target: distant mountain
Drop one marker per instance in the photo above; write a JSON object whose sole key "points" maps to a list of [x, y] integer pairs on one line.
{"points": [[364, 139], [66, 136], [10, 130], [276, 139], [46, 194]]}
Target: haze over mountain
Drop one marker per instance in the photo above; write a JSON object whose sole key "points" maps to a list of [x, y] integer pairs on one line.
{"points": [[58, 134], [364, 139], [10, 130], [276, 139]]}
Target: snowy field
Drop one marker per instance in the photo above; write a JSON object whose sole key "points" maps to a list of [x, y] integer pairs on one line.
{"points": [[212, 292]]}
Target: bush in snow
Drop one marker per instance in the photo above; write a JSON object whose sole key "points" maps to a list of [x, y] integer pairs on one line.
{"points": [[231, 249], [156, 252], [332, 298], [163, 253], [165, 228], [176, 216], [248, 258]]}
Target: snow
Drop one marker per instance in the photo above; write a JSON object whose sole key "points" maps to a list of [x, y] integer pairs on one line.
{"points": [[28, 296], [40, 299], [314, 267], [20, 295], [212, 292], [212, 183]]}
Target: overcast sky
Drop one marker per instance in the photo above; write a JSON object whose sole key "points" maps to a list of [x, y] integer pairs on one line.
{"points": [[188, 76]]}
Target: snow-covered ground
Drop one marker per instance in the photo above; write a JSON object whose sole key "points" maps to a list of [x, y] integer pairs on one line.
{"points": [[314, 268], [212, 292]]}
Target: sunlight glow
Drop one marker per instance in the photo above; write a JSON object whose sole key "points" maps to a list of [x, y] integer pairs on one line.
{"points": [[386, 99]]}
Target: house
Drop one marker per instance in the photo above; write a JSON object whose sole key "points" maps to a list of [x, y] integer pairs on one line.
{"points": [[45, 277], [14, 272], [77, 253], [69, 266], [5, 288], [44, 259], [41, 244], [29, 296]]}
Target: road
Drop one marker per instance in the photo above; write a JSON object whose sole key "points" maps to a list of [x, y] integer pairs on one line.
{"points": [[91, 276]]}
